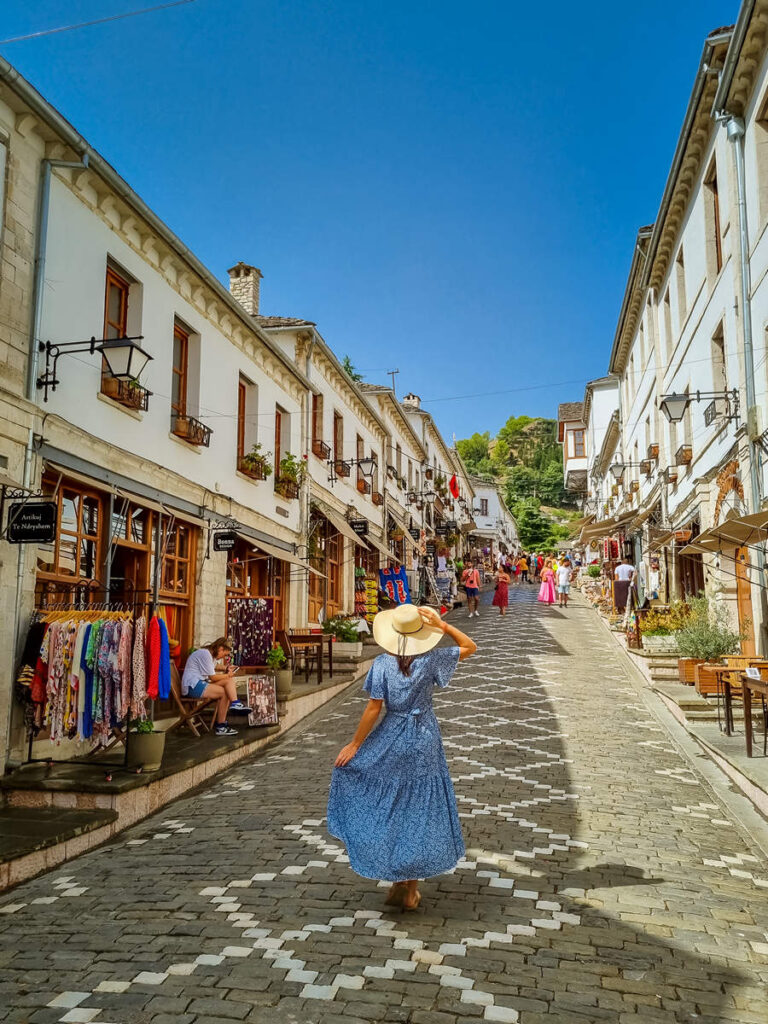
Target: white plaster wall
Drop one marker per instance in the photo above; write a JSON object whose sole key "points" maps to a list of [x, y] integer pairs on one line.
{"points": [[79, 244]]}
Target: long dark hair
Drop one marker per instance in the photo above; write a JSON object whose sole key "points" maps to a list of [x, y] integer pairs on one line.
{"points": [[404, 663]]}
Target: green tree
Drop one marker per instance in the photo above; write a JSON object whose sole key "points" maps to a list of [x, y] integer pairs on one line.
{"points": [[533, 529], [521, 484], [349, 368], [474, 450], [501, 455]]}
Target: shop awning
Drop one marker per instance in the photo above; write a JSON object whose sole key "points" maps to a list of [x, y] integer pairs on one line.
{"points": [[80, 478], [136, 499], [185, 517], [280, 553], [400, 521], [732, 533], [339, 522], [381, 546]]}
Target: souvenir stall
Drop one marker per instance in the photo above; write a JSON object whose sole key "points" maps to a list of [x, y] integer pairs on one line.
{"points": [[87, 671], [250, 625], [367, 582]]}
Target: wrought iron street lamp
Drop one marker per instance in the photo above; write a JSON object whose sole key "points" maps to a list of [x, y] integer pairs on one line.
{"points": [[124, 357], [674, 405]]}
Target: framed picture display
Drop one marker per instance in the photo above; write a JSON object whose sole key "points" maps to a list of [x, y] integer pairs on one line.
{"points": [[262, 700]]}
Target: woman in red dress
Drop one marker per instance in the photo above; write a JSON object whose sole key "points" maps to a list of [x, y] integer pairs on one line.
{"points": [[501, 597]]}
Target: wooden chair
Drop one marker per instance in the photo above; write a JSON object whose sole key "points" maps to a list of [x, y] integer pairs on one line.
{"points": [[190, 709], [296, 654]]}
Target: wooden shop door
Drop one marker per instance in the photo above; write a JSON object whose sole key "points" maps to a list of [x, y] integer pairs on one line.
{"points": [[744, 601]]}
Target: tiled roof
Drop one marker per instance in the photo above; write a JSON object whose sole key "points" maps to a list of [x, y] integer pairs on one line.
{"points": [[373, 388], [283, 321], [570, 411]]}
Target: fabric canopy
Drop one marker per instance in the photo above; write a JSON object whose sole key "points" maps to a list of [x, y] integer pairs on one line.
{"points": [[733, 533], [273, 552], [339, 522], [381, 545], [400, 521]]}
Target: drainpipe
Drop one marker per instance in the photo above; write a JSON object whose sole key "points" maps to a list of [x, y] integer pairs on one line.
{"points": [[734, 127], [305, 513], [38, 288]]}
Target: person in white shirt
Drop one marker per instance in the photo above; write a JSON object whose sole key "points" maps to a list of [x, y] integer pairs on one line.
{"points": [[201, 679], [563, 576], [626, 571]]}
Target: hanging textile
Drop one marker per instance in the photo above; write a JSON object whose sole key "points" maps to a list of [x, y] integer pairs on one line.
{"points": [[139, 669], [394, 583], [158, 660], [250, 625]]}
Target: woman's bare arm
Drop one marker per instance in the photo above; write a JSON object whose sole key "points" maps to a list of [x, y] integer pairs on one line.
{"points": [[367, 722], [466, 644]]}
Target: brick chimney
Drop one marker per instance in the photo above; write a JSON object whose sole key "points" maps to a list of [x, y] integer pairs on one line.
{"points": [[244, 283], [411, 401]]}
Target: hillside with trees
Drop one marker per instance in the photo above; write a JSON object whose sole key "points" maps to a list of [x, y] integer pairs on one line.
{"points": [[526, 460]]}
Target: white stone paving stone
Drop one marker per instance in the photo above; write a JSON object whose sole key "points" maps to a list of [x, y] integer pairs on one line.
{"points": [[318, 992], [69, 1000], [210, 959], [149, 978], [80, 1016], [307, 977], [372, 971], [478, 998], [112, 986], [181, 969], [502, 1014], [351, 981]]}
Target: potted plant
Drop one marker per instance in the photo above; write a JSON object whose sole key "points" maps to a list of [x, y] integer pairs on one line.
{"points": [[255, 463], [276, 660], [289, 475], [145, 746], [347, 642], [705, 637]]}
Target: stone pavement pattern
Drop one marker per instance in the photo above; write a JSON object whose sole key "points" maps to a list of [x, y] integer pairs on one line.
{"points": [[603, 881]]}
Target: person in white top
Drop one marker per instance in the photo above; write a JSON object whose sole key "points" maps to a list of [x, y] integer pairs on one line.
{"points": [[563, 576], [626, 571], [201, 680]]}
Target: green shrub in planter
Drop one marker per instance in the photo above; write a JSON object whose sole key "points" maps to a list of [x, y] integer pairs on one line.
{"points": [[276, 660], [145, 746], [594, 571], [707, 633]]}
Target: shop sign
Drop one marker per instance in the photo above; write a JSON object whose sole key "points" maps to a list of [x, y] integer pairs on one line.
{"points": [[32, 522], [224, 540], [415, 532], [451, 525], [360, 526], [431, 549], [441, 530]]}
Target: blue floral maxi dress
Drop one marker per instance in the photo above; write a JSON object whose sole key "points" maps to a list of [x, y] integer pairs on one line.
{"points": [[393, 805]]}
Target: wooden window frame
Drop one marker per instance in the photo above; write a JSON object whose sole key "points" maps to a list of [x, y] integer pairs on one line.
{"points": [[113, 279], [317, 417], [182, 370], [242, 402], [278, 439], [175, 560], [578, 443], [78, 535], [338, 437], [483, 506]]}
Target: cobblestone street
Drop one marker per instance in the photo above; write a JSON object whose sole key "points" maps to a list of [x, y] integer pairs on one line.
{"points": [[603, 880]]}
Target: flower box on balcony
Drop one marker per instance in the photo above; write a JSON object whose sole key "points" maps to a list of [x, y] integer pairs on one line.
{"points": [[377, 498], [342, 468], [645, 467], [634, 486], [191, 430], [614, 490], [363, 486], [670, 475], [256, 469], [653, 451], [684, 455], [321, 450], [287, 489], [127, 392]]}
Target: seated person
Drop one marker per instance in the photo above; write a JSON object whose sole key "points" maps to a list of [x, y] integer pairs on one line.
{"points": [[201, 679]]}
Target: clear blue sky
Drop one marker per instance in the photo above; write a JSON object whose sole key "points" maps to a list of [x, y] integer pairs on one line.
{"points": [[449, 189]]}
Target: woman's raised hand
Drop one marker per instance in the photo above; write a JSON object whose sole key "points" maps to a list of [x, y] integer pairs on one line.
{"points": [[430, 616]]}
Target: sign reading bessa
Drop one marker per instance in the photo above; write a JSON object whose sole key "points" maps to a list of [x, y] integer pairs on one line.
{"points": [[224, 540], [360, 526], [32, 522]]}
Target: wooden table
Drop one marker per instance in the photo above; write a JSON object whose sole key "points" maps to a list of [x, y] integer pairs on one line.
{"points": [[315, 640], [723, 683], [751, 686]]}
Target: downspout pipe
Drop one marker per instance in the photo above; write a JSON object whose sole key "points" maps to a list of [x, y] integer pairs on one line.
{"points": [[38, 291], [734, 127]]}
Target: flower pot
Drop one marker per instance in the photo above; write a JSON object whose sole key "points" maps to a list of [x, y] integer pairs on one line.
{"points": [[686, 668], [283, 681], [145, 750], [345, 650], [706, 683], [661, 644]]}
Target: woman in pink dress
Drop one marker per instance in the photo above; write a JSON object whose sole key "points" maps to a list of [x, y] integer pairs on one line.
{"points": [[501, 597], [547, 593]]}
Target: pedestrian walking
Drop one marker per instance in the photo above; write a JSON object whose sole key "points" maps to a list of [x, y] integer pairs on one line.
{"points": [[501, 595], [547, 589], [392, 802], [472, 582], [563, 576], [523, 566]]}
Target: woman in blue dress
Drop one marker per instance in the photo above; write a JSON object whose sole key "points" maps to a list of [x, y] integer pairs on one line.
{"points": [[392, 802]]}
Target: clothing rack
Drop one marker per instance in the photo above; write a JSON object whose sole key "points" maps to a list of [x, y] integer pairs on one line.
{"points": [[78, 609]]}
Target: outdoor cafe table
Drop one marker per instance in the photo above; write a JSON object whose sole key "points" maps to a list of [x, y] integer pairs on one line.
{"points": [[317, 640], [722, 674], [750, 685]]}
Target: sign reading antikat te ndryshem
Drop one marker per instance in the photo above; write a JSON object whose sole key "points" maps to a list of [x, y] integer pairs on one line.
{"points": [[32, 522]]}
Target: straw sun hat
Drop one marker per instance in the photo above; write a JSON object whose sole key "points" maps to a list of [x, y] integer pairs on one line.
{"points": [[402, 631]]}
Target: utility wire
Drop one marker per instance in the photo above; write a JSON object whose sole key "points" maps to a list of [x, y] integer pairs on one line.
{"points": [[96, 21]]}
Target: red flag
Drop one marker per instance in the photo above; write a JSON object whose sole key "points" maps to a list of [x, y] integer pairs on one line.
{"points": [[454, 486]]}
